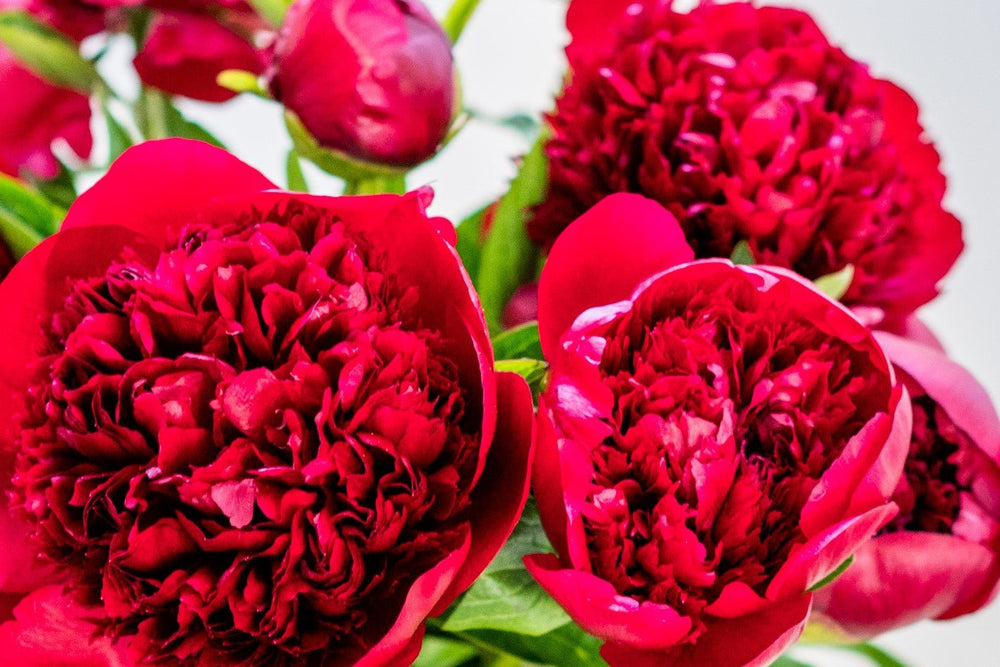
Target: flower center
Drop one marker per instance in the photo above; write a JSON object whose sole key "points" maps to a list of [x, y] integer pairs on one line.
{"points": [[727, 412]]}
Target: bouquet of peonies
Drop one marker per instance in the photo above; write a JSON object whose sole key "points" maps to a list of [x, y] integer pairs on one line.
{"points": [[665, 402]]}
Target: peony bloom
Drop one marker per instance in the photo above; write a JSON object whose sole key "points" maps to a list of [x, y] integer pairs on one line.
{"points": [[188, 44], [257, 427], [49, 629], [713, 442], [372, 80], [748, 125], [940, 557]]}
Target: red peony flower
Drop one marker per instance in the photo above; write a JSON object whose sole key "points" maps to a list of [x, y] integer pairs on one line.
{"points": [[748, 125], [940, 557], [50, 629], [76, 19], [710, 447], [257, 427], [373, 80], [188, 44]]}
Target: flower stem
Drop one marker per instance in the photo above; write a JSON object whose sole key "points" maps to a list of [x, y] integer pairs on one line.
{"points": [[456, 18], [153, 109], [876, 655], [376, 185]]}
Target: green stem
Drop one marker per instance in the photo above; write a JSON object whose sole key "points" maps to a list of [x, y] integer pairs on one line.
{"points": [[154, 114], [456, 18], [376, 185]]}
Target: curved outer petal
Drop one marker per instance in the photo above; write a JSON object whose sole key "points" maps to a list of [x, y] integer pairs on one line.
{"points": [[141, 189], [547, 478], [913, 329], [422, 256], [602, 257], [36, 287], [20, 569], [185, 52], [598, 608], [749, 641], [951, 386], [808, 563], [34, 113], [900, 578], [50, 629], [423, 596], [503, 489]]}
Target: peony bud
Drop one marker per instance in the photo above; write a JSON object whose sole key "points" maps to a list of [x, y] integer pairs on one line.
{"points": [[373, 80]]}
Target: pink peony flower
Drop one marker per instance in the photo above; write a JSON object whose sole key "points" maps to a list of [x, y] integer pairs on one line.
{"points": [[940, 557]]}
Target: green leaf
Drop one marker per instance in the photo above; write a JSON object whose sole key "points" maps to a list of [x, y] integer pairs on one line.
{"points": [[293, 168], [28, 206], [241, 81], [61, 190], [742, 255], [830, 578], [786, 661], [273, 11], [470, 246], [835, 285], [566, 646], [533, 371], [444, 652], [509, 257], [505, 597], [119, 138], [519, 343], [47, 52], [458, 15], [876, 655]]}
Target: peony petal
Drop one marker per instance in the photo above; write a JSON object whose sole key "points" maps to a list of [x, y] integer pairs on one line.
{"points": [[951, 386], [423, 596], [598, 608], [547, 478], [808, 563], [900, 578], [749, 641], [602, 257], [588, 21], [141, 189], [36, 287], [502, 491], [50, 629]]}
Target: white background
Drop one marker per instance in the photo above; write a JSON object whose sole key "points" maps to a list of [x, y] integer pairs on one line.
{"points": [[946, 53]]}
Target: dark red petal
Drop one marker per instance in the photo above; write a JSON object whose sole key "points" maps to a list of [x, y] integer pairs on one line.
{"points": [[502, 491], [35, 288], [598, 608], [423, 596], [900, 578], [602, 257], [748, 641], [161, 185]]}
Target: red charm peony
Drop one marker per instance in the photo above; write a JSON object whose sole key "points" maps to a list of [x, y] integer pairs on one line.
{"points": [[940, 557], [373, 80], [748, 125], [710, 447], [259, 428]]}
